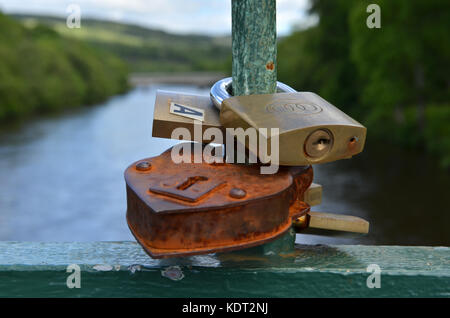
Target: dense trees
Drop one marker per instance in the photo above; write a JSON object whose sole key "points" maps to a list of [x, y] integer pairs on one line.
{"points": [[393, 79], [40, 71]]}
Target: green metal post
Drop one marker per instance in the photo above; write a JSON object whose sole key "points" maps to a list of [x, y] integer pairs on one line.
{"points": [[254, 70], [254, 44]]}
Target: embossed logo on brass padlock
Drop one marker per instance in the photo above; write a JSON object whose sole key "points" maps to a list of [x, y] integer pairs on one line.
{"points": [[303, 107]]}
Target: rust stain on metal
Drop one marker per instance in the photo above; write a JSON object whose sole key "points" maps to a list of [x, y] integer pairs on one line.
{"points": [[186, 209], [353, 145], [270, 66]]}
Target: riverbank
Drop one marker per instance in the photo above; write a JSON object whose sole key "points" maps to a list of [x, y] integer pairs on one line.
{"points": [[42, 72]]}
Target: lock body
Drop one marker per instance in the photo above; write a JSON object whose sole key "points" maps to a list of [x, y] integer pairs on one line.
{"points": [[187, 208], [310, 130]]}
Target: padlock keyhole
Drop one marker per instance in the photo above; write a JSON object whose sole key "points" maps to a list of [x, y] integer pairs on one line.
{"points": [[318, 143], [322, 143], [190, 182]]}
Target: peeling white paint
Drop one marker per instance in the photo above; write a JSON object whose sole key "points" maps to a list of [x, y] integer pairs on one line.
{"points": [[173, 273], [135, 267]]}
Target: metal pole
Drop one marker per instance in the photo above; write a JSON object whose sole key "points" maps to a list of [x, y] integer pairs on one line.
{"points": [[254, 70], [254, 47]]}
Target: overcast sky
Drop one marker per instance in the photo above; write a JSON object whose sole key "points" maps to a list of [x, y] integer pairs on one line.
{"points": [[181, 16]]}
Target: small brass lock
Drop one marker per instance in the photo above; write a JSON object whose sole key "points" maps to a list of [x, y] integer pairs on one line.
{"points": [[310, 130]]}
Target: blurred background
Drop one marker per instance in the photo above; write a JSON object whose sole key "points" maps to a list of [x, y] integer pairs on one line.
{"points": [[76, 107]]}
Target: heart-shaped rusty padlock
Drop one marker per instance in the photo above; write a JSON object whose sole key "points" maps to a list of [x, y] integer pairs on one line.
{"points": [[191, 208]]}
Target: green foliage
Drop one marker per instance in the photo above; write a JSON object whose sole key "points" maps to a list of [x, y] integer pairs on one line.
{"points": [[41, 71], [316, 59], [393, 79], [437, 131]]}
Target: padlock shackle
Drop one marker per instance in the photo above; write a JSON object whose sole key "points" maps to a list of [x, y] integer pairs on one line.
{"points": [[222, 90]]}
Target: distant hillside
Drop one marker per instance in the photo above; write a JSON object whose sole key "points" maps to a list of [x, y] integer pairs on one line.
{"points": [[146, 50], [42, 71]]}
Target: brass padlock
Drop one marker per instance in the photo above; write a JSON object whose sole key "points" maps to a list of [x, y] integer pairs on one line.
{"points": [[310, 130]]}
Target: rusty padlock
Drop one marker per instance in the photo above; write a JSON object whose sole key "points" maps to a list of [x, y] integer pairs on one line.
{"points": [[187, 208]]}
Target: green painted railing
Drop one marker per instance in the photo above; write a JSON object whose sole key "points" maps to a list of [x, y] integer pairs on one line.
{"points": [[122, 269]]}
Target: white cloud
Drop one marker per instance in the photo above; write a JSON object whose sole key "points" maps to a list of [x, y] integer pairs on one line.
{"points": [[185, 16]]}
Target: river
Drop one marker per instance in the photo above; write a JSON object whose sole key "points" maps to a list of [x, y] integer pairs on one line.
{"points": [[61, 179]]}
